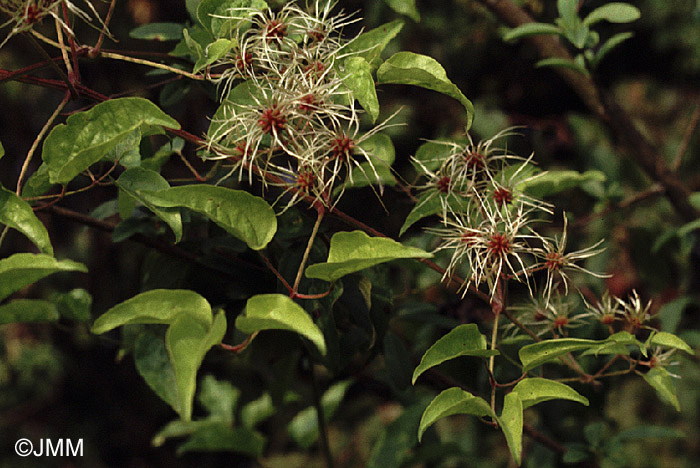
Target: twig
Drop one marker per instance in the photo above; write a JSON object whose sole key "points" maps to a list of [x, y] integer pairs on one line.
{"points": [[98, 45], [694, 119], [35, 144], [320, 210], [162, 66], [53, 65]]}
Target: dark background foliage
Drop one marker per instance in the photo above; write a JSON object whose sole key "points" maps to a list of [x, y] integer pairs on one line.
{"points": [[59, 381]]}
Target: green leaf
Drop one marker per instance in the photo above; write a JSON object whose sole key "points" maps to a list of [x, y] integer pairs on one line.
{"points": [[609, 45], [670, 340], [213, 52], [405, 7], [563, 63], [381, 150], [127, 152], [38, 183], [217, 437], [159, 306], [511, 422], [392, 449], [158, 32], [464, 340], [208, 11], [536, 354], [245, 216], [2, 150], [74, 305], [304, 426], [87, 136], [672, 312], [138, 184], [531, 29], [187, 341], [257, 411], [28, 310], [17, 214], [421, 70], [553, 182], [358, 78], [22, 269], [153, 364], [660, 379], [279, 312], [614, 12], [536, 390], [432, 202], [432, 154], [567, 10], [355, 251], [370, 45], [648, 432], [219, 398], [450, 402]]}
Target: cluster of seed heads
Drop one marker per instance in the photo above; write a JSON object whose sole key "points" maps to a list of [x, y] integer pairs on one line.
{"points": [[24, 14], [487, 219], [286, 110]]}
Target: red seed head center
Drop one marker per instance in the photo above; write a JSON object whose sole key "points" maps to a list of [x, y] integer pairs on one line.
{"points": [[342, 146], [272, 120], [443, 184], [553, 261], [502, 196], [498, 245]]}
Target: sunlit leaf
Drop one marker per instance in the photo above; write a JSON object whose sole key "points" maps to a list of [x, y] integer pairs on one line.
{"points": [[187, 341], [670, 340], [553, 182], [279, 312], [450, 402], [536, 390], [536, 354], [355, 251], [159, 306], [87, 136], [420, 70], [463, 340], [370, 44], [22, 269], [660, 379], [614, 12], [511, 421], [245, 216], [213, 52], [138, 182], [358, 78], [531, 29], [257, 411], [17, 214]]}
